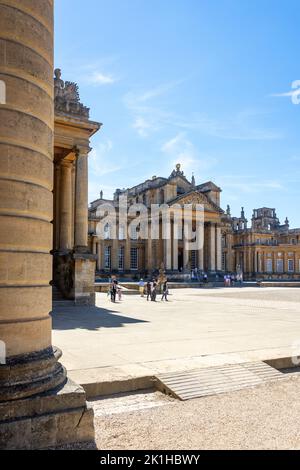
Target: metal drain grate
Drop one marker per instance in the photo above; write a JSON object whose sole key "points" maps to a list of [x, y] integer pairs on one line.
{"points": [[215, 380]]}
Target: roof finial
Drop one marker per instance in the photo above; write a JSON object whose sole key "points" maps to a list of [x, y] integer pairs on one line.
{"points": [[101, 194], [193, 181]]}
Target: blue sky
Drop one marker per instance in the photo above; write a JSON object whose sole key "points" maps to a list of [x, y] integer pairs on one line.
{"points": [[205, 83]]}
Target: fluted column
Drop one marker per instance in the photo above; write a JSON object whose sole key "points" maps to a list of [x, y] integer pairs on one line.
{"points": [[149, 250], [26, 199], [99, 257], [186, 256], [128, 253], [212, 247], [66, 206], [219, 248], [81, 200]]}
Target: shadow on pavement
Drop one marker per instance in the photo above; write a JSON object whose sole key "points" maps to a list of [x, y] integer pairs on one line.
{"points": [[88, 318]]}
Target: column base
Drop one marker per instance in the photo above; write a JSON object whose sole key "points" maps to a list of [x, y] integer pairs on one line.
{"points": [[52, 419], [31, 374]]}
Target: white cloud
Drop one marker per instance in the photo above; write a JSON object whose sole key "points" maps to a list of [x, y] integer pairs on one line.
{"points": [[100, 160], [142, 126], [181, 150], [248, 186], [99, 78], [149, 117]]}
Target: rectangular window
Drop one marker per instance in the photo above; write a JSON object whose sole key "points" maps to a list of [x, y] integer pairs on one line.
{"points": [[279, 266], [121, 258], [194, 259], [224, 261], [134, 258], [107, 257], [269, 266], [290, 265]]}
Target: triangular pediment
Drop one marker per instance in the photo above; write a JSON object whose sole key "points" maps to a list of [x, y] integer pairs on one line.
{"points": [[195, 197]]}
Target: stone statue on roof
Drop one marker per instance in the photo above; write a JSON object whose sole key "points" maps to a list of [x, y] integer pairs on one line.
{"points": [[66, 97]]}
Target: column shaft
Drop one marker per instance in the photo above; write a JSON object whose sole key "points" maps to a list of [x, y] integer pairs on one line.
{"points": [[81, 202], [212, 246], [219, 248], [66, 207]]}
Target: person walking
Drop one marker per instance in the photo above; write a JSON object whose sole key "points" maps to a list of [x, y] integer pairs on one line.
{"points": [[142, 287], [148, 290], [113, 291], [165, 291], [154, 291]]}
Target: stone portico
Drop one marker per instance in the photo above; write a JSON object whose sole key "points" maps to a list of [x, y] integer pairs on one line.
{"points": [[73, 263], [137, 254]]}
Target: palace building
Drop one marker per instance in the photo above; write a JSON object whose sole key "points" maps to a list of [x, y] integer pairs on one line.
{"points": [[264, 250]]}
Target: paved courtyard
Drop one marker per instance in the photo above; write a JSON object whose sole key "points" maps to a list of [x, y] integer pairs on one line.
{"points": [[195, 328]]}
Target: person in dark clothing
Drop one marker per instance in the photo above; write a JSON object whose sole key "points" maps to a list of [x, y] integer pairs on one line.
{"points": [[148, 289], [154, 291], [114, 291]]}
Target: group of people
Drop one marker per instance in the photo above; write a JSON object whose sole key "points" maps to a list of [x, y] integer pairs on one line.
{"points": [[230, 280], [114, 290], [151, 289], [199, 276]]}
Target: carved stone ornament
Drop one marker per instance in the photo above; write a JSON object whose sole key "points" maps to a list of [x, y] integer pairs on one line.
{"points": [[67, 99]]}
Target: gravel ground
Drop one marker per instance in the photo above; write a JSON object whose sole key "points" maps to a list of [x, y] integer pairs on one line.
{"points": [[264, 417]]}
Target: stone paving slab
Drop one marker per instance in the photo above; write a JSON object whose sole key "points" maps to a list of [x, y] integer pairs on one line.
{"points": [[136, 339]]}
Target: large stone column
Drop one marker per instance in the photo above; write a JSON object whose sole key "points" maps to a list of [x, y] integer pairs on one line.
{"points": [[29, 418], [81, 198]]}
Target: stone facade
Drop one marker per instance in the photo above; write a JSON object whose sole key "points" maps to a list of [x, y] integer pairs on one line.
{"points": [[144, 256], [229, 245], [266, 250]]}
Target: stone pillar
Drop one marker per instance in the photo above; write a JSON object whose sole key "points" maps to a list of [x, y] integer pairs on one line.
{"points": [[255, 262], [66, 207], [115, 255], [128, 253], [175, 245], [212, 248], [81, 191], [99, 256], [186, 256], [56, 222], [168, 254], [219, 248], [29, 417], [149, 251], [201, 259]]}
